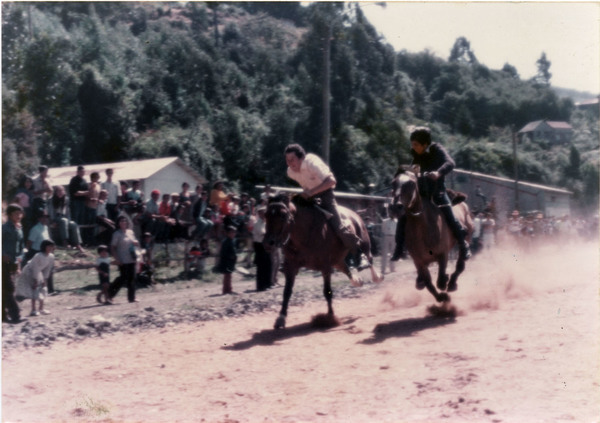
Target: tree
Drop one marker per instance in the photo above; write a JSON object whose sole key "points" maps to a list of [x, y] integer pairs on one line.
{"points": [[543, 71], [461, 52], [510, 70]]}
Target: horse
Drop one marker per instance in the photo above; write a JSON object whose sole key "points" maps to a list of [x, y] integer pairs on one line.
{"points": [[301, 230], [428, 238]]}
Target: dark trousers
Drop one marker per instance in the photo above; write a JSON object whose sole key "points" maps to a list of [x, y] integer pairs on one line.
{"points": [[347, 236], [78, 211], [126, 276], [112, 212], [10, 307], [262, 259]]}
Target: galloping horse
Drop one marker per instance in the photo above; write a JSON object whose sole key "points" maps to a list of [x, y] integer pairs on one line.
{"points": [[427, 236], [306, 239]]}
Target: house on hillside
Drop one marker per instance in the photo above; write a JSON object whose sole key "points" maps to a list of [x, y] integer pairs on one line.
{"points": [[592, 105], [551, 131], [165, 174]]}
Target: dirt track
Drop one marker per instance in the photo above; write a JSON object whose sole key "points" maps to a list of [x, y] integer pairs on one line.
{"points": [[524, 348]]}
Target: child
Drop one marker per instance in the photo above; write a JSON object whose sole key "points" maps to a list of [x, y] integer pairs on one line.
{"points": [[227, 259], [33, 281], [103, 268]]}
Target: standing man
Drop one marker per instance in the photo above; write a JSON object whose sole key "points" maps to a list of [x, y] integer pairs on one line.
{"points": [[435, 164], [78, 188], [112, 199], [388, 233], [42, 190], [12, 250], [317, 182]]}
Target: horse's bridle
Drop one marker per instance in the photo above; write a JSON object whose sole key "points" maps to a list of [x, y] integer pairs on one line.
{"points": [[288, 222]]}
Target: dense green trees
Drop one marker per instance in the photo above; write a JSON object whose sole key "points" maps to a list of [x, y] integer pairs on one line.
{"points": [[225, 86]]}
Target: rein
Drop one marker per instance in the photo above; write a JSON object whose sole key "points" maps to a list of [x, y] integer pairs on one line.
{"points": [[288, 222]]}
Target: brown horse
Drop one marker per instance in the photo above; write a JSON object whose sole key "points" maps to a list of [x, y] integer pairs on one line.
{"points": [[427, 236], [301, 230]]}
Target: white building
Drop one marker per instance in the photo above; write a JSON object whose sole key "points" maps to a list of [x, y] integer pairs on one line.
{"points": [[165, 174]]}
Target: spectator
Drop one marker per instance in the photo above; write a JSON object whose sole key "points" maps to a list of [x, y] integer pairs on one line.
{"points": [[12, 251], [42, 189], [24, 198], [106, 226], [262, 258], [227, 259], [78, 189], [515, 225], [488, 228], [91, 207], [388, 242], [185, 194], [103, 268], [477, 232], [134, 198], [36, 275], [66, 230], [112, 200], [38, 234], [203, 224], [217, 195], [162, 234], [151, 217], [123, 247]]}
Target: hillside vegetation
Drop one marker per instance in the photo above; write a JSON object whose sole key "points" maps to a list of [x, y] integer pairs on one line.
{"points": [[225, 86]]}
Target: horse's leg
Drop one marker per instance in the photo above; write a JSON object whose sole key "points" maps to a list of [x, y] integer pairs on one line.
{"points": [[442, 279], [290, 278], [355, 279], [460, 267], [424, 281], [327, 291]]}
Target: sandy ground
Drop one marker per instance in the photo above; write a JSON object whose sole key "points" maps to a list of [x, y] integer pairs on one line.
{"points": [[524, 347]]}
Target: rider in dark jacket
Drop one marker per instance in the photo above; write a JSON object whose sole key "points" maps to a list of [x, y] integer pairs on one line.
{"points": [[435, 164]]}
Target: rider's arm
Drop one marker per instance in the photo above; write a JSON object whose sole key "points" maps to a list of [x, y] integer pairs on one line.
{"points": [[328, 182]]}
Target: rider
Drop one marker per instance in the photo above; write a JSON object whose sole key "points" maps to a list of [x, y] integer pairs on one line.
{"points": [[317, 182], [435, 163]]}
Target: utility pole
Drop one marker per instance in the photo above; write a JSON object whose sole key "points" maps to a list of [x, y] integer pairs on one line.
{"points": [[326, 92], [516, 167]]}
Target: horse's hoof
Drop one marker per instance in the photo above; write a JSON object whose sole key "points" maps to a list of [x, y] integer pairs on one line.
{"points": [[452, 287], [442, 297], [357, 283], [280, 323], [420, 285]]}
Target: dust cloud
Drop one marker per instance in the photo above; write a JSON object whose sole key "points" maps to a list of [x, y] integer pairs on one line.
{"points": [[507, 272]]}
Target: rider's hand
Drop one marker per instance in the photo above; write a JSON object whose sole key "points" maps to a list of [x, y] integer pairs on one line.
{"points": [[305, 194], [433, 175]]}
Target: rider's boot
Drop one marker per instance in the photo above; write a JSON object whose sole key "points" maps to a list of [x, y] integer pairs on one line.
{"points": [[458, 231]]}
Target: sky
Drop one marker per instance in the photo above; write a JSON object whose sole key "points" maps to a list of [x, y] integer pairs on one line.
{"points": [[501, 32]]}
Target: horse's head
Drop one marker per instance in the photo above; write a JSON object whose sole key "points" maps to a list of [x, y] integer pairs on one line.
{"points": [[405, 190], [278, 219]]}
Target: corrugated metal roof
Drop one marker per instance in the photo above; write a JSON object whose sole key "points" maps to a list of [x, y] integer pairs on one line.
{"points": [[559, 125], [532, 126], [522, 185], [135, 169]]}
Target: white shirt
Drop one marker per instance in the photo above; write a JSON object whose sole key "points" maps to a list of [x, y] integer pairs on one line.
{"points": [[388, 227], [113, 191], [258, 231], [313, 171]]}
